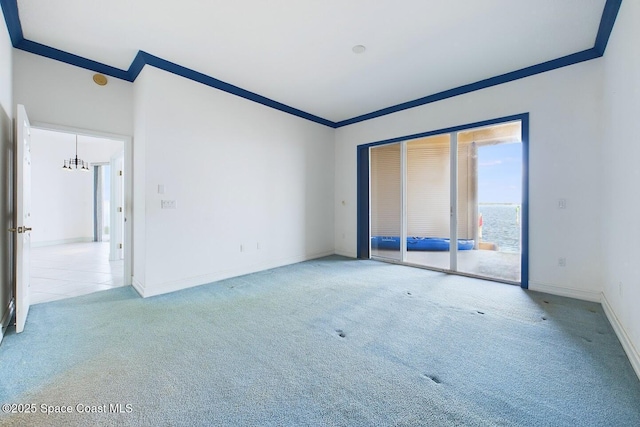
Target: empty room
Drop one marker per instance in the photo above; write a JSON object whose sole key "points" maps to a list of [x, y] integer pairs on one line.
{"points": [[410, 213]]}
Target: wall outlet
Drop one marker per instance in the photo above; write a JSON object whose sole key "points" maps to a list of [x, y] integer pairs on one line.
{"points": [[562, 262], [562, 203], [168, 204]]}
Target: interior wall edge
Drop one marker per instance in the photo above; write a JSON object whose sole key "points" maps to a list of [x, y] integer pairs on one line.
{"points": [[190, 282], [138, 286], [591, 296], [632, 352], [344, 253]]}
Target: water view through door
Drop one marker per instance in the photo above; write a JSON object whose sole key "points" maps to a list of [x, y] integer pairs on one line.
{"points": [[451, 202], [497, 204]]}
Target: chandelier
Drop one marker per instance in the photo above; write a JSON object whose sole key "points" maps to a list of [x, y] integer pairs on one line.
{"points": [[69, 164]]}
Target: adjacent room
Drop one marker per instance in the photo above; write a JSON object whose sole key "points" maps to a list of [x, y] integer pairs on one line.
{"points": [[77, 215], [319, 213]]}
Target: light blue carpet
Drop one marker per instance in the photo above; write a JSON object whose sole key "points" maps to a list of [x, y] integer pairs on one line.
{"points": [[332, 342]]}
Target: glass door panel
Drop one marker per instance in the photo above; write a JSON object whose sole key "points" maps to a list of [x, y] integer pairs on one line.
{"points": [[490, 202], [428, 201], [386, 201]]}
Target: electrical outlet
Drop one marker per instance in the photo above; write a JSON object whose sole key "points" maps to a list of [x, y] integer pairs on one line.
{"points": [[562, 262], [562, 203], [168, 204]]}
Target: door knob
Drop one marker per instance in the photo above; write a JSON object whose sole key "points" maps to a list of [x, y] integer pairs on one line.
{"points": [[20, 229]]}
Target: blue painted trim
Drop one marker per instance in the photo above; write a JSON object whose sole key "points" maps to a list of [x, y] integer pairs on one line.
{"points": [[235, 90], [363, 195], [575, 58], [12, 19], [363, 239], [483, 123], [137, 65], [609, 16], [69, 58], [14, 27], [524, 260]]}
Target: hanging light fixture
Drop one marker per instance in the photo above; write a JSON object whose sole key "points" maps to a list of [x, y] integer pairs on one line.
{"points": [[69, 164]]}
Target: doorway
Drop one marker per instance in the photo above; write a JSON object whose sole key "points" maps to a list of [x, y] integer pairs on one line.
{"points": [[72, 214], [453, 200]]}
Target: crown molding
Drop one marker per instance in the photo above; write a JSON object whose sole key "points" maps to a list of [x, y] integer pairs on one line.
{"points": [[12, 19]]}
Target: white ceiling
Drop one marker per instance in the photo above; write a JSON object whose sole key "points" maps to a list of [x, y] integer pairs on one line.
{"points": [[298, 52]]}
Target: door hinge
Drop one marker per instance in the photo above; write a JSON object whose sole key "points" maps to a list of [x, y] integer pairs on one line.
{"points": [[119, 208], [119, 245], [120, 173]]}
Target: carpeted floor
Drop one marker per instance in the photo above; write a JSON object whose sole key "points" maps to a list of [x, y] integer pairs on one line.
{"points": [[333, 342]]}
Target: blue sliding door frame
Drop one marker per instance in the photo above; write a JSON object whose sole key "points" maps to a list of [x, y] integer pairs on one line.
{"points": [[363, 244]]}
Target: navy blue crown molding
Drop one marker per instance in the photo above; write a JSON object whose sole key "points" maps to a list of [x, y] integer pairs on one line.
{"points": [[12, 18]]}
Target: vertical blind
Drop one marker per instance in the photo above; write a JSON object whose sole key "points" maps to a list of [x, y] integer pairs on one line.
{"points": [[386, 190], [428, 189]]}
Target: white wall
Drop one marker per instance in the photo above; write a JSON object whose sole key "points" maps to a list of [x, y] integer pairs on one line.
{"points": [[62, 201], [621, 201], [142, 95], [564, 163], [242, 174], [57, 93], [6, 176]]}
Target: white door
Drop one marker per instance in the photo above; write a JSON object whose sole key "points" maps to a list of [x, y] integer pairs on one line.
{"points": [[23, 216], [117, 207], [120, 195]]}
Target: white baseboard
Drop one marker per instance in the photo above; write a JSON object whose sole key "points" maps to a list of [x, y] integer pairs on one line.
{"points": [[6, 318], [138, 286], [62, 242], [580, 294], [163, 288], [345, 253], [629, 348]]}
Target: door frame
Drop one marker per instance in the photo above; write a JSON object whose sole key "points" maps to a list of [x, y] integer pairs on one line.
{"points": [[128, 184], [363, 187]]}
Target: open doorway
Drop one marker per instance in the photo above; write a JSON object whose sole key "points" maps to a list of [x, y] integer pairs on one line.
{"points": [[77, 192]]}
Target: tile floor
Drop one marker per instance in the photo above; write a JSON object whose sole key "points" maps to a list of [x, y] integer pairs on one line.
{"points": [[65, 271]]}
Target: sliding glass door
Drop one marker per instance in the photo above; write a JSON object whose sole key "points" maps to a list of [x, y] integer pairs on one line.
{"points": [[493, 176], [451, 202], [386, 201], [428, 201]]}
